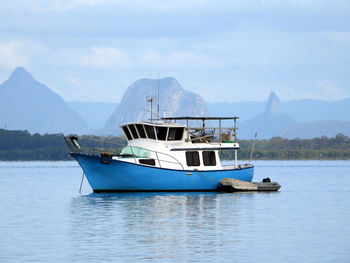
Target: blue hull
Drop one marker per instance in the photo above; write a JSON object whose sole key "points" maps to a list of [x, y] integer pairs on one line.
{"points": [[113, 175]]}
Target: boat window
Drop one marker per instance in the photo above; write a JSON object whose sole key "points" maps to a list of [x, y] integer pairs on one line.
{"points": [[192, 159], [209, 158], [141, 130], [161, 133], [150, 132], [133, 131], [127, 133], [175, 134], [147, 161]]}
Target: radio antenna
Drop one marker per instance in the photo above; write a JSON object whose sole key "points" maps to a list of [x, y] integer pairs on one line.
{"points": [[150, 91], [158, 97]]}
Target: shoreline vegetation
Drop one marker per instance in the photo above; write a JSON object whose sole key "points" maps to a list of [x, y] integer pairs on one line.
{"points": [[16, 145]]}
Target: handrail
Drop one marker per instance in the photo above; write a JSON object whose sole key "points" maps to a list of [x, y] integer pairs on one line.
{"points": [[158, 160], [200, 133], [74, 149], [156, 152], [133, 155]]}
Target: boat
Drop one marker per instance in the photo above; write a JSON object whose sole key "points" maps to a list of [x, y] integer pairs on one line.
{"points": [[166, 154]]}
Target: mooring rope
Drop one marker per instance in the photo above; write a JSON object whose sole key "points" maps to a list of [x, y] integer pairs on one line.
{"points": [[81, 183], [207, 177]]}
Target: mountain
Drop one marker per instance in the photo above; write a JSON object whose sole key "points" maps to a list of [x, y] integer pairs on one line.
{"points": [[268, 124], [311, 130], [26, 104], [305, 110], [309, 110], [94, 113], [173, 98]]}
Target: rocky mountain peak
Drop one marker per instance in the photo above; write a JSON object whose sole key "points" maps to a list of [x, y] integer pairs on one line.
{"points": [[175, 100], [273, 104], [27, 104], [20, 75]]}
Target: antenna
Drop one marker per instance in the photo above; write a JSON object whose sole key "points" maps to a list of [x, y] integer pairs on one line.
{"points": [[150, 92], [158, 97], [150, 99]]}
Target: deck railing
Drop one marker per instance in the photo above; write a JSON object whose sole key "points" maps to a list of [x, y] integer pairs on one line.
{"points": [[157, 155], [73, 145]]}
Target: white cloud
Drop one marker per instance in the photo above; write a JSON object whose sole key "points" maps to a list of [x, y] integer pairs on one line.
{"points": [[74, 81], [330, 89], [227, 46], [11, 55], [173, 5], [103, 58], [177, 60], [115, 59]]}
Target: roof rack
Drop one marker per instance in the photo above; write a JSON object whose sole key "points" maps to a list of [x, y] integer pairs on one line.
{"points": [[199, 134], [200, 118]]}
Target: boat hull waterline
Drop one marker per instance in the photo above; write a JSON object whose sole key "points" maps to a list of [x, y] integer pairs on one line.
{"points": [[109, 175]]}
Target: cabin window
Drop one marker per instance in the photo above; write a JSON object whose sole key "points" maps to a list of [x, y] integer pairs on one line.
{"points": [[192, 159], [133, 131], [161, 133], [141, 130], [150, 132], [209, 158], [175, 134], [147, 161], [127, 133]]}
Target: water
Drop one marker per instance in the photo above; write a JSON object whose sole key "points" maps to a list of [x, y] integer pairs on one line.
{"points": [[44, 219]]}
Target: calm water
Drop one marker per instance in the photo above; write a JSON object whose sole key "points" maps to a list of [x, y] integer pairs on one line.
{"points": [[44, 219]]}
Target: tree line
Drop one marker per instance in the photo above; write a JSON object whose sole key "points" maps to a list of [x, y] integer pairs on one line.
{"points": [[18, 145], [278, 148], [21, 145]]}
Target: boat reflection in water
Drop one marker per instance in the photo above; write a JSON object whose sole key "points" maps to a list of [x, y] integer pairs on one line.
{"points": [[158, 226]]}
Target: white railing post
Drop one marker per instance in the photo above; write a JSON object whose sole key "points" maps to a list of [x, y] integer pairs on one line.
{"points": [[158, 160], [236, 159]]}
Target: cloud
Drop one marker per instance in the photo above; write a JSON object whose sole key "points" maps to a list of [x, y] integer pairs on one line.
{"points": [[254, 45], [116, 59], [330, 89], [43, 6], [175, 60], [11, 55], [74, 81], [103, 58], [174, 5]]}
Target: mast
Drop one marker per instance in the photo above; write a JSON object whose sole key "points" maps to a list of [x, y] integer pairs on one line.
{"points": [[158, 99], [149, 99], [235, 134]]}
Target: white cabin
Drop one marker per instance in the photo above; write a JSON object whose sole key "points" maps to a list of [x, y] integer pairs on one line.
{"points": [[170, 145]]}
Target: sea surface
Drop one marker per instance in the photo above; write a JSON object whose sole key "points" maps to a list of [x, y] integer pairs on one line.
{"points": [[43, 218]]}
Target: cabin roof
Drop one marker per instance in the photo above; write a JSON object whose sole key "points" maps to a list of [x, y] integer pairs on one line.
{"points": [[167, 124], [200, 118]]}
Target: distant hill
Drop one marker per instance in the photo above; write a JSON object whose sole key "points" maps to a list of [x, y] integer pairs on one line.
{"points": [[94, 113], [305, 118], [305, 110], [311, 130], [26, 104], [308, 110], [173, 98], [268, 124]]}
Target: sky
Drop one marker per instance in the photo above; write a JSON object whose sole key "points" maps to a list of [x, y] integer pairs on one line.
{"points": [[226, 51]]}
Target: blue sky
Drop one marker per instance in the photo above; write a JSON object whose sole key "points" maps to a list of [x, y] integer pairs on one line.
{"points": [[223, 50]]}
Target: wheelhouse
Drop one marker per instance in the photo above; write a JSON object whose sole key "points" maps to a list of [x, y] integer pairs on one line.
{"points": [[168, 144], [152, 131]]}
